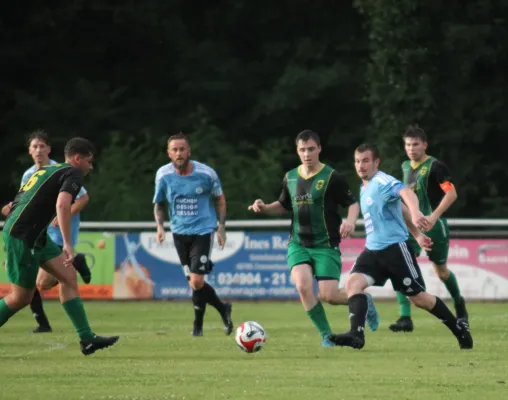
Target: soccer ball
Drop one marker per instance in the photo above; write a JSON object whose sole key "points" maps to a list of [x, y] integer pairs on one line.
{"points": [[250, 336]]}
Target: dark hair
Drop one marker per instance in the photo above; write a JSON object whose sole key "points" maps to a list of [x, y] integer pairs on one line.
{"points": [[178, 136], [79, 145], [368, 147], [307, 135], [415, 132], [39, 134]]}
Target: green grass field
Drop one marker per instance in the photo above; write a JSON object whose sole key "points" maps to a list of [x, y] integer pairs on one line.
{"points": [[156, 358]]}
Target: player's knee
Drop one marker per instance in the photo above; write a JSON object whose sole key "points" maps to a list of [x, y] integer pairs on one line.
{"points": [[442, 272], [423, 300], [355, 284], [17, 300], [46, 282], [305, 288], [196, 281]]}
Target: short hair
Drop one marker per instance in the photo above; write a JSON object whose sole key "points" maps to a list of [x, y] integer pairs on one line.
{"points": [[415, 132], [178, 136], [39, 134], [80, 146], [307, 135], [368, 147]]}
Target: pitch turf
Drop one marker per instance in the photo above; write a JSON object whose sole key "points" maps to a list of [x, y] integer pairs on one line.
{"points": [[156, 358]]}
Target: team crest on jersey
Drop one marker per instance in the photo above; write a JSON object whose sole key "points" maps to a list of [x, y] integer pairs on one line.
{"points": [[369, 201], [423, 171], [199, 190], [320, 184]]}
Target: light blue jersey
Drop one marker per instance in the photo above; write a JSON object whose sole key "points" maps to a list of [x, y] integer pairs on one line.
{"points": [[54, 232], [382, 212], [190, 197]]}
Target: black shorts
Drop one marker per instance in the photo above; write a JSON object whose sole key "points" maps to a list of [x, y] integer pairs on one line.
{"points": [[397, 263], [194, 252]]}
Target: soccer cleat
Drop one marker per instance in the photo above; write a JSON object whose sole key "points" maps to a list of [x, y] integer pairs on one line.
{"points": [[349, 339], [372, 314], [226, 318], [81, 266], [197, 330], [403, 324], [42, 329], [327, 343], [97, 343], [460, 310], [464, 337]]}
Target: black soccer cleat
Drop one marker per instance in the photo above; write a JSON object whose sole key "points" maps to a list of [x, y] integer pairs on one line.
{"points": [[464, 337], [81, 266], [97, 343], [226, 318], [403, 324], [348, 339], [42, 329], [197, 332], [460, 310]]}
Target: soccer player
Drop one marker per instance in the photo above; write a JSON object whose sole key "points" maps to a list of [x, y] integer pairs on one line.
{"points": [[387, 253], [28, 245], [194, 193], [432, 182], [313, 192], [39, 148]]}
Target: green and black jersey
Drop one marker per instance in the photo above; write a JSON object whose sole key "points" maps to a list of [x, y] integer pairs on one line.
{"points": [[34, 206], [314, 201], [430, 180]]}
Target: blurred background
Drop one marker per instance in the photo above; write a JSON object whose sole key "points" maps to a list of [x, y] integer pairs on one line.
{"points": [[242, 78]]}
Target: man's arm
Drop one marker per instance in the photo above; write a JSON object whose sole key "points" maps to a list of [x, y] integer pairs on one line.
{"points": [[443, 178], [63, 214], [411, 201], [79, 204], [159, 214], [6, 209], [352, 213], [424, 241], [220, 205]]}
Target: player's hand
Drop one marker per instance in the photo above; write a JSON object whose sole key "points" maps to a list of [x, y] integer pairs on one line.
{"points": [[6, 209], [54, 222], [431, 221], [221, 236], [257, 206], [68, 253], [346, 229], [420, 221], [425, 242], [160, 236]]}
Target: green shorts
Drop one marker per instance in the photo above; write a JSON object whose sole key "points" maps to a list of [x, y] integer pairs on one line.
{"points": [[325, 263], [23, 261], [440, 235]]}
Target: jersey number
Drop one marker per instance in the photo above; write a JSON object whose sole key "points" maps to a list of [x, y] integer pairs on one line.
{"points": [[33, 180]]}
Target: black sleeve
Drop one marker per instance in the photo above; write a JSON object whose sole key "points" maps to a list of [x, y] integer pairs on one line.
{"points": [[285, 197], [71, 182], [339, 189], [440, 173]]}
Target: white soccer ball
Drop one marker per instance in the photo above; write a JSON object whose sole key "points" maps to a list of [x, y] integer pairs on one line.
{"points": [[250, 336]]}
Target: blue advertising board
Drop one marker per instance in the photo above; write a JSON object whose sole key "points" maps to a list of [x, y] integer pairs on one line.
{"points": [[252, 265]]}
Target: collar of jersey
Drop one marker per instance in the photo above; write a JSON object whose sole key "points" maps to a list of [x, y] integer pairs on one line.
{"points": [[415, 166], [311, 176]]}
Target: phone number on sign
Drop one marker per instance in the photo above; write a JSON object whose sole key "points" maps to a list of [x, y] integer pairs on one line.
{"points": [[249, 278]]}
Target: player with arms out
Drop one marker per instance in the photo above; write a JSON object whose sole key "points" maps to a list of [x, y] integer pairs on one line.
{"points": [[387, 253], [28, 245], [193, 193], [313, 192], [39, 147], [432, 182]]}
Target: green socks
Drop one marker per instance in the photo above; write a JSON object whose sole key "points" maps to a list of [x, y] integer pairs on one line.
{"points": [[318, 317], [76, 312], [5, 312], [453, 287], [404, 305]]}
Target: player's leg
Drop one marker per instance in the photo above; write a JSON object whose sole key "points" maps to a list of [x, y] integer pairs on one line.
{"points": [[71, 301], [302, 274], [327, 269], [201, 265], [22, 270], [407, 278], [182, 246], [82, 267], [439, 256], [44, 282], [366, 272], [405, 323]]}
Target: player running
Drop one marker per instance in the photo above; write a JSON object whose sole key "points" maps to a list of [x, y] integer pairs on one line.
{"points": [[28, 245], [432, 182], [387, 253], [313, 192]]}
